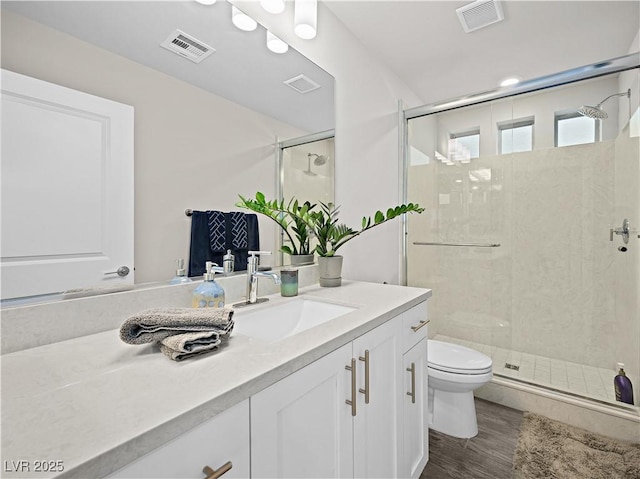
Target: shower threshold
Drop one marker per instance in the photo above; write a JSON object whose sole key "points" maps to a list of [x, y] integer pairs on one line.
{"points": [[564, 376]]}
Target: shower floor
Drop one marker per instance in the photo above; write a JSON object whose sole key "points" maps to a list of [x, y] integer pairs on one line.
{"points": [[586, 381]]}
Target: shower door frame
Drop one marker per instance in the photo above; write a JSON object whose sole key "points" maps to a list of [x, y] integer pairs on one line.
{"points": [[615, 65]]}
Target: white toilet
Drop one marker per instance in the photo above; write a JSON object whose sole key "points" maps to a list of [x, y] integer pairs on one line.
{"points": [[454, 373]]}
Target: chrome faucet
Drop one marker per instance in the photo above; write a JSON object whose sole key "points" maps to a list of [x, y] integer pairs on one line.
{"points": [[253, 274]]}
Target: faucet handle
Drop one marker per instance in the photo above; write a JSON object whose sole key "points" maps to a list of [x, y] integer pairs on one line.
{"points": [[253, 253]]}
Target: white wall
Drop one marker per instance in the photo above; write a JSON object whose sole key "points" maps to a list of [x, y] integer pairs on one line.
{"points": [[186, 139], [367, 164]]}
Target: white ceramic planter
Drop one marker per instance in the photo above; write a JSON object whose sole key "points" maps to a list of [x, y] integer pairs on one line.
{"points": [[301, 259], [330, 268]]}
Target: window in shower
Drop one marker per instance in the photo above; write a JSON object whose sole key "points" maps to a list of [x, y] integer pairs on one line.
{"points": [[515, 136], [463, 147], [574, 129]]}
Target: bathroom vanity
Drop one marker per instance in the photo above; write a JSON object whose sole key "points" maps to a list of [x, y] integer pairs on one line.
{"points": [[343, 398]]}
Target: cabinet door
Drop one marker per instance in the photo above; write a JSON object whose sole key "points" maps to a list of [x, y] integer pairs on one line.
{"points": [[221, 440], [415, 428], [301, 426], [376, 442]]}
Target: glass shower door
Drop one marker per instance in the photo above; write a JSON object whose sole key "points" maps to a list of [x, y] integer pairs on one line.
{"points": [[520, 196], [455, 247]]}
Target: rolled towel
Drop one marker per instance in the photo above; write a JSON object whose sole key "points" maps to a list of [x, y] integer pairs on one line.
{"points": [[159, 323], [182, 346]]}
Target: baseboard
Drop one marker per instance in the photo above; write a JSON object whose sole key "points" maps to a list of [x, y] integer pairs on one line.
{"points": [[617, 422]]}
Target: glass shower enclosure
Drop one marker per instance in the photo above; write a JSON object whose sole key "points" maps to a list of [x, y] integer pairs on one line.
{"points": [[524, 241]]}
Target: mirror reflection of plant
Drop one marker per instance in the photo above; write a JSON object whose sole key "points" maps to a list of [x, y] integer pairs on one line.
{"points": [[294, 219], [332, 235]]}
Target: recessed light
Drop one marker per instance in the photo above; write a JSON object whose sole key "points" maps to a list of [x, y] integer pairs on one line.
{"points": [[510, 81]]}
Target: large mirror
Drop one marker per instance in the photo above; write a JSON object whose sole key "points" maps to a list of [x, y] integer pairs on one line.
{"points": [[203, 132]]}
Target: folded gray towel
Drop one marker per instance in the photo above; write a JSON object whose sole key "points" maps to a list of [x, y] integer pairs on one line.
{"points": [[183, 346], [159, 323]]}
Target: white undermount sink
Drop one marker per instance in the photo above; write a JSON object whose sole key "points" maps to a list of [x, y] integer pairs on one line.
{"points": [[273, 322]]}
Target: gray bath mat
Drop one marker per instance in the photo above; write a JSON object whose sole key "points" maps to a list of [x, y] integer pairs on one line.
{"points": [[551, 449]]}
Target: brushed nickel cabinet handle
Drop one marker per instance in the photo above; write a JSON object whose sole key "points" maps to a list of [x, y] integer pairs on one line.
{"points": [[366, 389], [352, 402], [412, 370], [421, 325], [212, 474]]}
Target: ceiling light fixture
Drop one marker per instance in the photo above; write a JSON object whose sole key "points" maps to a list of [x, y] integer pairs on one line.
{"points": [[275, 44], [242, 20], [306, 18], [272, 6], [510, 81], [206, 2]]}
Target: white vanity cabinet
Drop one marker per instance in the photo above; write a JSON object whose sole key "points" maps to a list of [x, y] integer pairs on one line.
{"points": [[216, 444], [414, 427], [347, 414], [301, 426], [375, 432], [359, 411]]}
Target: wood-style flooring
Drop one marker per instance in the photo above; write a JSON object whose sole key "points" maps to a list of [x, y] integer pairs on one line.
{"points": [[489, 455]]}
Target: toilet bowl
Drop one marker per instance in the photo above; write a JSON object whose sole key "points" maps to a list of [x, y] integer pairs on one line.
{"points": [[454, 373]]}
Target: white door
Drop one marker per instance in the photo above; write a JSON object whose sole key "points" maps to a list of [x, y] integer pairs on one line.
{"points": [[415, 429], [376, 445], [67, 189], [301, 426]]}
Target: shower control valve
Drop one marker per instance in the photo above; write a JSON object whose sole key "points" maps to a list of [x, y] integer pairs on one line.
{"points": [[622, 231]]}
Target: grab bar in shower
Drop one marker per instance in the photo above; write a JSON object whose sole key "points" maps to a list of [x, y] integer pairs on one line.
{"points": [[473, 245]]}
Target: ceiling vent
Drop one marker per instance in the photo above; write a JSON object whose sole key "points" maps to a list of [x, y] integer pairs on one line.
{"points": [[480, 14], [188, 47], [302, 84]]}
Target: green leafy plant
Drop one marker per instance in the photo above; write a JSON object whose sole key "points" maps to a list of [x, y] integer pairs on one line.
{"points": [[294, 219], [332, 235], [300, 222]]}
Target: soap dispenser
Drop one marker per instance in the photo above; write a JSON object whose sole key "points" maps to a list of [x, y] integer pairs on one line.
{"points": [[228, 263], [181, 274], [209, 294]]}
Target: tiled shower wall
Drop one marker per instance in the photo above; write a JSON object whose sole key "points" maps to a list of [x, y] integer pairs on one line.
{"points": [[556, 286]]}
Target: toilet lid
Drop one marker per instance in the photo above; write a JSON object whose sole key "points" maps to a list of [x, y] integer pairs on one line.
{"points": [[453, 358]]}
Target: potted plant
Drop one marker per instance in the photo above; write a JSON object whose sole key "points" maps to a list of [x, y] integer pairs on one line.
{"points": [[332, 235], [294, 219]]}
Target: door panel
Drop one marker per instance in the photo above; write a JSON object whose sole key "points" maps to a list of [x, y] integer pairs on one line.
{"points": [[376, 442], [67, 188], [301, 426]]}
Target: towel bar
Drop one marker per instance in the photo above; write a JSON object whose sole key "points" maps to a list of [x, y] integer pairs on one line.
{"points": [[474, 245]]}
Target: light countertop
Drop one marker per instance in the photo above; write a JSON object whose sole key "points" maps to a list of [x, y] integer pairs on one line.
{"points": [[96, 404]]}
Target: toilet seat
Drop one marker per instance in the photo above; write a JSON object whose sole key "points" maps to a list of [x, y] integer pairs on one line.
{"points": [[452, 358]]}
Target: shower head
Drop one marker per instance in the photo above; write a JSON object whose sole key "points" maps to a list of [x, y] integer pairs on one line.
{"points": [[598, 113], [308, 170], [594, 112], [319, 159]]}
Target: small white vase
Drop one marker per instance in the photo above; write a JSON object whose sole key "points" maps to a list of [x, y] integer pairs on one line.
{"points": [[330, 268]]}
